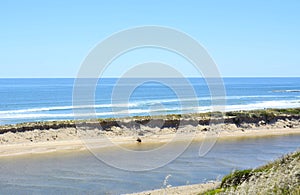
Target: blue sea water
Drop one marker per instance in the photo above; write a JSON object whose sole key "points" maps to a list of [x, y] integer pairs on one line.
{"points": [[26, 100]]}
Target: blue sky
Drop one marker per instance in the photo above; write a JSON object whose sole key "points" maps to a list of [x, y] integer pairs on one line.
{"points": [[245, 38]]}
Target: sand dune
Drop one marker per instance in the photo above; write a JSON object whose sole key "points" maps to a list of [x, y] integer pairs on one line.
{"points": [[72, 139]]}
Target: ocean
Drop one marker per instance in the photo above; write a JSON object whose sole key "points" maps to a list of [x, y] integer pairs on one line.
{"points": [[28, 100]]}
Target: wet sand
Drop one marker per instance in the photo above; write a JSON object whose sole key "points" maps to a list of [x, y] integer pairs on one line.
{"points": [[16, 146]]}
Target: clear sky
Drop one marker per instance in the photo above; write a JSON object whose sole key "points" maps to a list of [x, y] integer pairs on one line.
{"points": [[245, 38]]}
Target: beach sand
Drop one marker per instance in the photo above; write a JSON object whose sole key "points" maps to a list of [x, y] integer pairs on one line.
{"points": [[188, 189], [72, 140]]}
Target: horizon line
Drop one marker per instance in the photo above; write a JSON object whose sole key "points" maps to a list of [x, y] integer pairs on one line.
{"points": [[152, 77]]}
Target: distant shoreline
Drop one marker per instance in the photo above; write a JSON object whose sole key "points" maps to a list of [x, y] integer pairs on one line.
{"points": [[46, 137], [77, 145]]}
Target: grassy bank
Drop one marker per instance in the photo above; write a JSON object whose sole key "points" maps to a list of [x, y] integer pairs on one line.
{"points": [[256, 117], [279, 177]]}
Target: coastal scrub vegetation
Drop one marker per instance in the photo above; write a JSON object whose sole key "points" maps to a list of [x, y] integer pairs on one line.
{"points": [[279, 177], [171, 120]]}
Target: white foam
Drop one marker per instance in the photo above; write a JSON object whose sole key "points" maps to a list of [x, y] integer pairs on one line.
{"points": [[125, 105], [65, 108], [132, 109], [287, 91], [150, 102]]}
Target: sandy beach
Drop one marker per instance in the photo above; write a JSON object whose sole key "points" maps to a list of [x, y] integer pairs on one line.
{"points": [[76, 144], [71, 139], [188, 189]]}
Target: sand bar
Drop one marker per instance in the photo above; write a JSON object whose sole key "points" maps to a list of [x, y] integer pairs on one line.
{"points": [[80, 145], [35, 138]]}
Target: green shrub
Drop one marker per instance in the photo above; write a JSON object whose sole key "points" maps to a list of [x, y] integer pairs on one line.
{"points": [[236, 178], [213, 192]]}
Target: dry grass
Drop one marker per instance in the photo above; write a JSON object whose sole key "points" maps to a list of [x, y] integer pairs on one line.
{"points": [[279, 177]]}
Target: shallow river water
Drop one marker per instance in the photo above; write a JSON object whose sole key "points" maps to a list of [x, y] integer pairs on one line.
{"points": [[82, 173]]}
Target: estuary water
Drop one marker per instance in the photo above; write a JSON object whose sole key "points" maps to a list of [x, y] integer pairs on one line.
{"points": [[82, 173]]}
